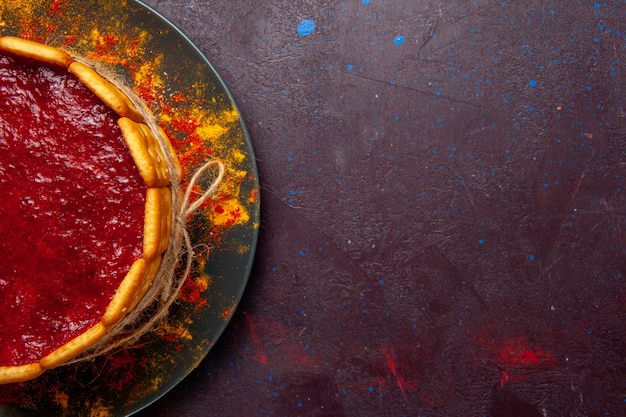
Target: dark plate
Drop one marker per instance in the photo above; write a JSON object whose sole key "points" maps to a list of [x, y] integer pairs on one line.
{"points": [[197, 110]]}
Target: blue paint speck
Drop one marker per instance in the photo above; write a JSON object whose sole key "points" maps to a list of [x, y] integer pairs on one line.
{"points": [[366, 2], [399, 40], [349, 67], [533, 83], [306, 27], [531, 257], [597, 6], [481, 242]]}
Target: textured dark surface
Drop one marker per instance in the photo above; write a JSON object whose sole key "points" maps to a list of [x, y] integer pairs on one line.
{"points": [[443, 196]]}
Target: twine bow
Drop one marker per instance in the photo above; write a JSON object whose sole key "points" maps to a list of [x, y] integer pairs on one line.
{"points": [[156, 303]]}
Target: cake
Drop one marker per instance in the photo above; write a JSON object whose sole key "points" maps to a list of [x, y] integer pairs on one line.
{"points": [[86, 210]]}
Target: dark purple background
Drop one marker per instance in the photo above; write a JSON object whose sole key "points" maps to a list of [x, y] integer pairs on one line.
{"points": [[443, 208]]}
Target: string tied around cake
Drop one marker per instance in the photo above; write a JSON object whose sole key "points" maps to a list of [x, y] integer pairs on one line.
{"points": [[175, 267], [177, 261], [169, 280]]}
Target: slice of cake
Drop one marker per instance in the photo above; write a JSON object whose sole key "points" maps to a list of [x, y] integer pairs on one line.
{"points": [[86, 208]]}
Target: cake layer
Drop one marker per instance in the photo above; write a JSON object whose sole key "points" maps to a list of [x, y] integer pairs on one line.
{"points": [[87, 210], [73, 206]]}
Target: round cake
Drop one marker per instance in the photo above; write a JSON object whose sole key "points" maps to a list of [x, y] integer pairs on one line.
{"points": [[86, 208]]}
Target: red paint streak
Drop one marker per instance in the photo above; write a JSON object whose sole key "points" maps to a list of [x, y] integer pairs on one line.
{"points": [[518, 353], [428, 400], [514, 357], [260, 356], [394, 367], [504, 378], [272, 343], [382, 384]]}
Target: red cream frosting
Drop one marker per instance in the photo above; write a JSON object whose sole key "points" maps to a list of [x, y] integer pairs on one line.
{"points": [[71, 209]]}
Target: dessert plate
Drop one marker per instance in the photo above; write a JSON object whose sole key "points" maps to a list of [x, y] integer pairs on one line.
{"points": [[196, 109]]}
